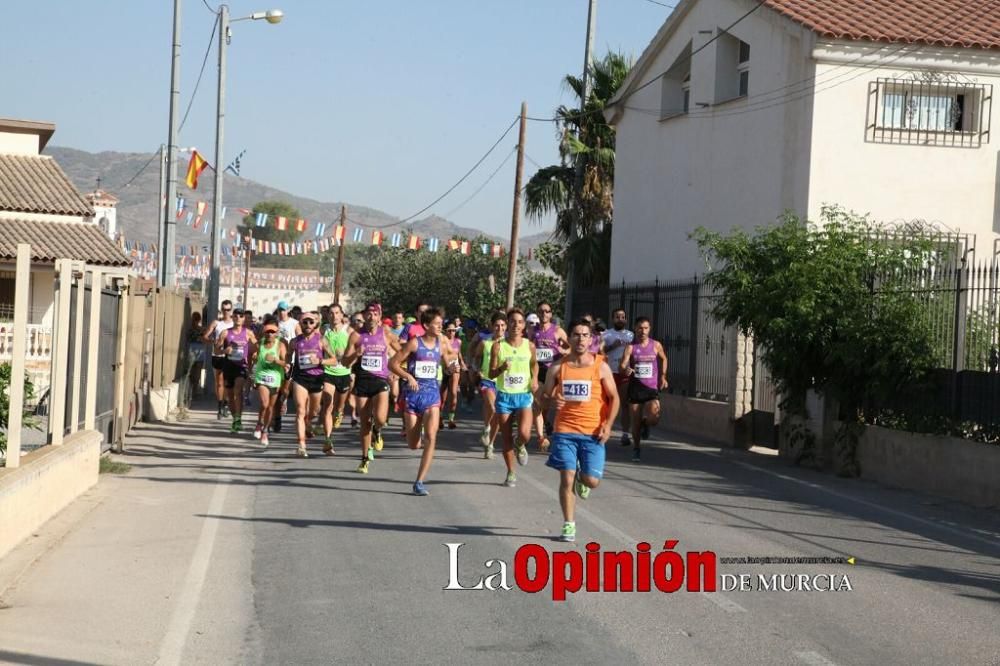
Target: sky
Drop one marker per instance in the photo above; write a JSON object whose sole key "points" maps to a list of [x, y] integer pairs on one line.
{"points": [[379, 103]]}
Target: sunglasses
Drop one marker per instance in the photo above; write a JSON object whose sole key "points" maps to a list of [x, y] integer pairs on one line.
{"points": [[451, 330], [227, 309], [308, 322]]}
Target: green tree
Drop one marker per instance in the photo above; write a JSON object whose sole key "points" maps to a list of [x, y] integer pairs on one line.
{"points": [[270, 231], [579, 189], [28, 420]]}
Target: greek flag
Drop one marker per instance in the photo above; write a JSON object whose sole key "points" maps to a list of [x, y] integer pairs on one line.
{"points": [[261, 219], [397, 240], [432, 244], [320, 228], [358, 234]]}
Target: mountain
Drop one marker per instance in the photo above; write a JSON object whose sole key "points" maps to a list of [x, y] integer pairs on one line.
{"points": [[134, 178]]}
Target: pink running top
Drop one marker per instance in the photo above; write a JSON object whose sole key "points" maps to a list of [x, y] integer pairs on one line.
{"points": [[646, 364], [374, 353]]}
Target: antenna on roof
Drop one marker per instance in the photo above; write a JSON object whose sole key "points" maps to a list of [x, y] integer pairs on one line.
{"points": [[98, 185]]}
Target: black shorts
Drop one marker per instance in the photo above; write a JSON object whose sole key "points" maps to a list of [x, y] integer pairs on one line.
{"points": [[231, 372], [639, 393], [340, 383], [219, 362], [311, 383], [543, 372], [369, 386]]}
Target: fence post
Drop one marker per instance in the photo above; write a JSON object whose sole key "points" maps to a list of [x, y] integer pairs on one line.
{"points": [[22, 282], [118, 417], [958, 348], [81, 291], [656, 310], [60, 352], [94, 346], [693, 350]]}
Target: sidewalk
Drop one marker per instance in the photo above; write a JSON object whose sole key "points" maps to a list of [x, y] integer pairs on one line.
{"points": [[130, 542]]}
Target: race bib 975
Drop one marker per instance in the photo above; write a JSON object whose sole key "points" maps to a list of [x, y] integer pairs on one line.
{"points": [[425, 369]]}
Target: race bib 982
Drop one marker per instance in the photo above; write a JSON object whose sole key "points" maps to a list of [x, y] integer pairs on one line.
{"points": [[514, 382]]}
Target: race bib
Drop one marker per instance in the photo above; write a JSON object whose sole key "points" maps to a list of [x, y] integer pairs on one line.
{"points": [[371, 363], [237, 353], [576, 390], [308, 361], [270, 379], [514, 382], [425, 369], [644, 370], [544, 354]]}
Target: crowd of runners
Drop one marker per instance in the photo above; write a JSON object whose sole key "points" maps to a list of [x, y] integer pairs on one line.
{"points": [[567, 386]]}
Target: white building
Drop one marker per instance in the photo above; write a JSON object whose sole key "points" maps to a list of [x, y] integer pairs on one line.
{"points": [[105, 207], [737, 112]]}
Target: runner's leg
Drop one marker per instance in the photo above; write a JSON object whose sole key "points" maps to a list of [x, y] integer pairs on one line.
{"points": [[301, 415], [430, 421]]}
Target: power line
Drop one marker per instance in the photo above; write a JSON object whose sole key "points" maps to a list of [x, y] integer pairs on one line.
{"points": [[462, 179], [662, 4], [204, 61], [481, 187], [139, 172], [216, 11]]}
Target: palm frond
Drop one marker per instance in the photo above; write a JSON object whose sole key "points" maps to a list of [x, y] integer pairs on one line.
{"points": [[548, 191]]}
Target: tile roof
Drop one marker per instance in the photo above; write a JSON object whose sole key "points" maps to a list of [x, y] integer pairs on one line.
{"points": [[49, 241], [957, 23], [30, 184]]}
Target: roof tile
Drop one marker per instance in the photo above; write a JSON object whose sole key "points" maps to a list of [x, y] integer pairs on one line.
{"points": [[30, 184], [60, 240], [953, 23]]}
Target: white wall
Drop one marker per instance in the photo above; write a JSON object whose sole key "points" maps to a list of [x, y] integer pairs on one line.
{"points": [[727, 166], [19, 143], [953, 185]]}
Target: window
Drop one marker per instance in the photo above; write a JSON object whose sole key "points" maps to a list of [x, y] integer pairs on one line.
{"points": [[732, 68], [686, 90], [743, 67], [929, 112], [675, 92]]}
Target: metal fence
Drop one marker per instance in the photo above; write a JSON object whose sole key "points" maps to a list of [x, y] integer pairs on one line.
{"points": [[700, 350]]}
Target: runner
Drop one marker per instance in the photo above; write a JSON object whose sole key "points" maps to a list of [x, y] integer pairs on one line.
{"points": [[269, 375], [615, 340], [308, 355], [339, 337], [595, 341], [398, 324], [357, 323], [288, 328], [513, 366], [415, 328], [583, 390], [237, 344], [212, 334], [424, 357], [481, 355], [550, 341], [453, 373], [645, 363], [375, 345]]}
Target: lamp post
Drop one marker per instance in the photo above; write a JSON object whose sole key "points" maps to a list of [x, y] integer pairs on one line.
{"points": [[271, 16]]}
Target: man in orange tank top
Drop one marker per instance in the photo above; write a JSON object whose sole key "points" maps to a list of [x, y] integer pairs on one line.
{"points": [[582, 388]]}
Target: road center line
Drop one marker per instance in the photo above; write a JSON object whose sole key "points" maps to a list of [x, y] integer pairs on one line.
{"points": [[813, 659], [172, 647]]}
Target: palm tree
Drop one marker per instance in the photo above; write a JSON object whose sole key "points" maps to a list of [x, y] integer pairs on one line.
{"points": [[579, 190]]}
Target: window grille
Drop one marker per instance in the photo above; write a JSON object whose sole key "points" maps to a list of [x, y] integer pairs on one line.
{"points": [[932, 113]]}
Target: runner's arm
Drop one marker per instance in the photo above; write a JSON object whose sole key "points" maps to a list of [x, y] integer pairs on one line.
{"points": [[610, 392], [208, 332], [534, 368], [397, 360], [330, 358], [351, 352], [562, 339], [626, 357], [496, 367], [663, 366]]}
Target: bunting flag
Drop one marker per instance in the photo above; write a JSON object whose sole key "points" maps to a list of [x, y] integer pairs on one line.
{"points": [[261, 219], [397, 240], [243, 211], [485, 248], [200, 214], [340, 233], [359, 233], [497, 250], [282, 223], [320, 229], [433, 244], [453, 245], [180, 207], [190, 218], [195, 167], [377, 237], [413, 243], [529, 254], [465, 247], [234, 166], [300, 225]]}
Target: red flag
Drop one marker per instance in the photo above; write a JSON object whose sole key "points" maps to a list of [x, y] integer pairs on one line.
{"points": [[497, 249], [300, 225], [282, 223], [201, 212], [377, 237], [195, 167], [453, 244]]}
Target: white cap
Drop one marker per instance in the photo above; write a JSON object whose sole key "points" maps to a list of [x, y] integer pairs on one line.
{"points": [[533, 319]]}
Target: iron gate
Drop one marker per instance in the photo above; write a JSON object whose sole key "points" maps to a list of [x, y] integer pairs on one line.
{"points": [[764, 430]]}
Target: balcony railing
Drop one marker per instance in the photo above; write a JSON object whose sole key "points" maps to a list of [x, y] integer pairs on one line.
{"points": [[39, 347]]}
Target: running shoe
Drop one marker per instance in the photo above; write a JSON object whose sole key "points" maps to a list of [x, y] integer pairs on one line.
{"points": [[301, 451], [522, 455], [354, 422], [511, 480], [626, 439], [451, 421], [258, 429], [484, 438], [264, 441], [328, 446], [235, 427], [276, 424], [377, 438], [371, 453], [543, 444], [420, 489], [488, 451], [644, 431], [337, 418], [568, 532], [363, 467], [635, 455], [581, 489], [218, 413]]}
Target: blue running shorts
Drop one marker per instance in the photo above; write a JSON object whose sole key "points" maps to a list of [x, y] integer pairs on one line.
{"points": [[508, 403], [568, 451]]}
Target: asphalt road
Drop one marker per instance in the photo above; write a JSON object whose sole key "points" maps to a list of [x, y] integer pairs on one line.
{"points": [[214, 551]]}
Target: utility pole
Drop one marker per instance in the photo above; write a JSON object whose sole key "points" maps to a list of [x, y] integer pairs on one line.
{"points": [[246, 270], [167, 258], [214, 286], [339, 273], [515, 222], [587, 57], [164, 209]]}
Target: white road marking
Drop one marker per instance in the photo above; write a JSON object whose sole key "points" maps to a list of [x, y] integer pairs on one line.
{"points": [[716, 598], [813, 659], [172, 647]]}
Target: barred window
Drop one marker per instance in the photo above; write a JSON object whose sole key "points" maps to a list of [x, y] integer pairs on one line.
{"points": [[939, 113]]}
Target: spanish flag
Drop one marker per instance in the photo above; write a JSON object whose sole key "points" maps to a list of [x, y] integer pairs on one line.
{"points": [[195, 167]]}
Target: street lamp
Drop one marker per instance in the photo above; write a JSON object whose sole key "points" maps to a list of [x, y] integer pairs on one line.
{"points": [[271, 16]]}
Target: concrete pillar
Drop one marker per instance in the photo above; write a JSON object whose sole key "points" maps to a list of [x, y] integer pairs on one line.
{"points": [[22, 295], [93, 346], [74, 423], [60, 352], [123, 330]]}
